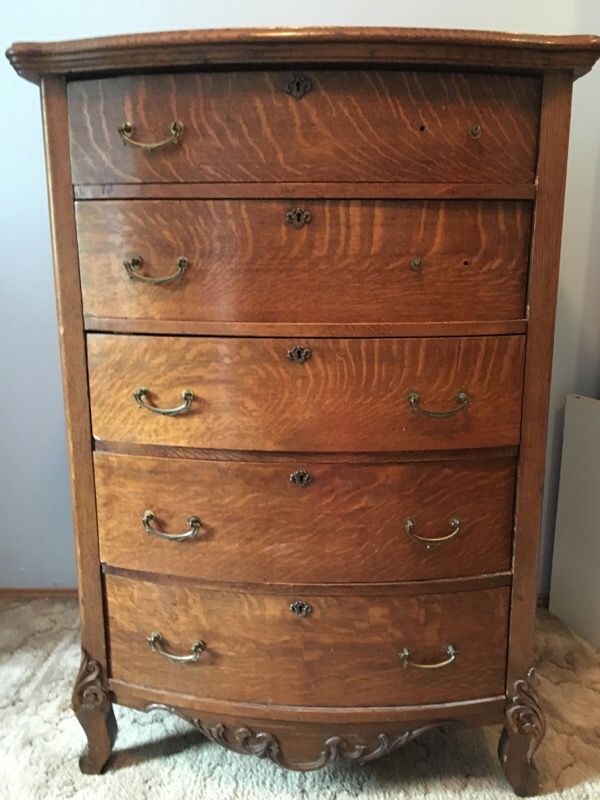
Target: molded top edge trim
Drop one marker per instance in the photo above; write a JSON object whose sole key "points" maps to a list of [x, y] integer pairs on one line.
{"points": [[201, 48]]}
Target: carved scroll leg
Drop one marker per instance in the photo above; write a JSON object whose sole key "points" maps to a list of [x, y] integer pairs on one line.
{"points": [[523, 731], [93, 708]]}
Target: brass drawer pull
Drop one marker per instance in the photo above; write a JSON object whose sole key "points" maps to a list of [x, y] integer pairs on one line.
{"points": [[409, 529], [135, 263], [150, 517], [299, 354], [414, 399], [156, 642], [126, 133], [301, 478], [298, 217], [298, 86], [141, 397], [451, 652]]}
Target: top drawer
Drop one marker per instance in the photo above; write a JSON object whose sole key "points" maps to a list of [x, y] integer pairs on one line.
{"points": [[394, 126]]}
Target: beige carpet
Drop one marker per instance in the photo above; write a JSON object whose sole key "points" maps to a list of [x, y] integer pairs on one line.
{"points": [[159, 756]]}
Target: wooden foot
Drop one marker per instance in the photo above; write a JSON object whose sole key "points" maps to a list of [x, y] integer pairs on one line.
{"points": [[93, 708], [523, 731]]}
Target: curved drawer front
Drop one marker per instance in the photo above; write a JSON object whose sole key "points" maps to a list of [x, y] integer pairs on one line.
{"points": [[304, 260], [351, 126], [256, 649], [302, 522], [320, 395]]}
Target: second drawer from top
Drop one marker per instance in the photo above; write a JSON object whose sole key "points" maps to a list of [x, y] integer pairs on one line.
{"points": [[314, 261]]}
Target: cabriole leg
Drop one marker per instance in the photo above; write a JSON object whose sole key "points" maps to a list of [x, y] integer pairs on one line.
{"points": [[523, 731], [93, 708]]}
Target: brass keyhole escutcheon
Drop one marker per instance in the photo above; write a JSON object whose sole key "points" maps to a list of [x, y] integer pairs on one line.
{"points": [[298, 86], [298, 217], [416, 263], [299, 354], [301, 478], [475, 131], [301, 608]]}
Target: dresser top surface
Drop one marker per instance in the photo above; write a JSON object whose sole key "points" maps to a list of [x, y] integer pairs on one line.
{"points": [[349, 45]]}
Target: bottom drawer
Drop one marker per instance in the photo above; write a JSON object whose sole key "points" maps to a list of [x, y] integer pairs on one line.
{"points": [[346, 650]]}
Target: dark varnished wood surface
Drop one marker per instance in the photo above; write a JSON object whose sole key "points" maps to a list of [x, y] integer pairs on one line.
{"points": [[370, 45], [495, 327], [351, 395], [257, 650], [433, 586], [352, 126], [74, 366], [345, 526], [298, 719], [542, 293], [349, 264], [335, 191]]}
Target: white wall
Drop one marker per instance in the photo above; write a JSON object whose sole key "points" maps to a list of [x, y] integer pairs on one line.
{"points": [[35, 523]]}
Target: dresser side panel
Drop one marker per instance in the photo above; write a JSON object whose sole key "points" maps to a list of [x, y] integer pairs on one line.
{"points": [[74, 365], [542, 293]]}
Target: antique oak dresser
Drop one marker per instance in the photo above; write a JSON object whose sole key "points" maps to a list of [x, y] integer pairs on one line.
{"points": [[306, 284]]}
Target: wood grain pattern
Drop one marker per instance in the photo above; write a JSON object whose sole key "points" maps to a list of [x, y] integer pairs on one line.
{"points": [[434, 586], [510, 52], [350, 263], [542, 293], [74, 367], [390, 457], [351, 395], [257, 650], [496, 327], [352, 126], [381, 150], [270, 191], [297, 720], [345, 526]]}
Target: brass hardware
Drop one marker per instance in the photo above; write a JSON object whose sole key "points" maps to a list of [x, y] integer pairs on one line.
{"points": [[414, 399], [475, 131], [301, 478], [299, 354], [135, 264], [301, 608], [194, 524], [416, 264], [451, 652], [298, 217], [126, 132], [409, 529], [141, 395], [298, 86], [156, 642]]}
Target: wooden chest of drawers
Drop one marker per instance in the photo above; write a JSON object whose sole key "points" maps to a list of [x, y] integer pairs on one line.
{"points": [[306, 285]]}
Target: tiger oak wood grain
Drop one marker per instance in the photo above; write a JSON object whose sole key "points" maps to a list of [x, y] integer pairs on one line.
{"points": [[257, 650], [345, 526], [351, 395], [350, 263], [353, 125], [387, 120]]}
